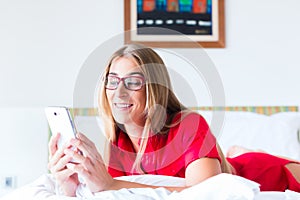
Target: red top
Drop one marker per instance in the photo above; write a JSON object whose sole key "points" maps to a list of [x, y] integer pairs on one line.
{"points": [[171, 153], [166, 154]]}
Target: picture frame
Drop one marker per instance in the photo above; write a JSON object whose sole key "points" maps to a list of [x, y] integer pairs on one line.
{"points": [[192, 27]]}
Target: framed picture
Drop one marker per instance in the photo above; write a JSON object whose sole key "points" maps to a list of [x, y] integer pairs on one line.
{"points": [[175, 23]]}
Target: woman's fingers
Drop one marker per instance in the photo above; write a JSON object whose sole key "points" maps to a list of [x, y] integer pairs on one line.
{"points": [[66, 173], [58, 155], [60, 165], [62, 175], [89, 165], [86, 146], [53, 144], [85, 139], [96, 177], [79, 158], [67, 179], [79, 169]]}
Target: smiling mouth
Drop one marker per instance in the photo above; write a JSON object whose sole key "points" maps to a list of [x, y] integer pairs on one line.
{"points": [[123, 105]]}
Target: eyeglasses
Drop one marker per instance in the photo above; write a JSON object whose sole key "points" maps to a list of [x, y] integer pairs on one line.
{"points": [[133, 83]]}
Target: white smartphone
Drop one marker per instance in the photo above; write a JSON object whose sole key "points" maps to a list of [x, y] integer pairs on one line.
{"points": [[60, 121]]}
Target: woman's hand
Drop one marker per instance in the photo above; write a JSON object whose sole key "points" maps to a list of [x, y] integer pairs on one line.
{"points": [[90, 165], [66, 178]]}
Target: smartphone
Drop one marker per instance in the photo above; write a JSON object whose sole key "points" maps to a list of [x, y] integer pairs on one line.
{"points": [[60, 121]]}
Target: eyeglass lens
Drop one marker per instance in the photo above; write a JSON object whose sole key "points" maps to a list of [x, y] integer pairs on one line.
{"points": [[130, 83]]}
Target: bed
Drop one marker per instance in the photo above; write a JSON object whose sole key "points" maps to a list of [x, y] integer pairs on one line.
{"points": [[274, 129]]}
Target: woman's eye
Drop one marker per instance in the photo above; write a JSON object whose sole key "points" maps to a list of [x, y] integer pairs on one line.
{"points": [[113, 82], [133, 83]]}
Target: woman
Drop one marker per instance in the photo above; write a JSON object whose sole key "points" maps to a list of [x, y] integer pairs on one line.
{"points": [[149, 130]]}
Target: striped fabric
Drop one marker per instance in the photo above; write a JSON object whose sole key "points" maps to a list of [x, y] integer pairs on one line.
{"points": [[266, 110], [84, 111]]}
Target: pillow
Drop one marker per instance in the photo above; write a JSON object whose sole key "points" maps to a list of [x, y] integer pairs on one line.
{"points": [[221, 186], [275, 134], [291, 118], [157, 180]]}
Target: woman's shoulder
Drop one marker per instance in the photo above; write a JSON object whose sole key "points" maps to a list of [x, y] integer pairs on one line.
{"points": [[188, 127], [189, 121], [188, 117]]}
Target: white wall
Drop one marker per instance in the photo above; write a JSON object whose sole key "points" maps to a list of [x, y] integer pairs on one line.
{"points": [[43, 45], [260, 65]]}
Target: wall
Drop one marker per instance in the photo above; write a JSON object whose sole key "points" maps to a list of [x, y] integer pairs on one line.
{"points": [[260, 65], [43, 45]]}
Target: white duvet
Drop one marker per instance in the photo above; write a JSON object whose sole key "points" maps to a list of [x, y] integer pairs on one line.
{"points": [[220, 187]]}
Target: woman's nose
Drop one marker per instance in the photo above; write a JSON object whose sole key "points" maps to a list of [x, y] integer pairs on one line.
{"points": [[121, 90]]}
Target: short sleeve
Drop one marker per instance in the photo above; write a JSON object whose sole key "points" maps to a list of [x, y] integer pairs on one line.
{"points": [[198, 141]]}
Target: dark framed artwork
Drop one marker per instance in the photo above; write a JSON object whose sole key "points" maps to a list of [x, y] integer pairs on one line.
{"points": [[175, 23]]}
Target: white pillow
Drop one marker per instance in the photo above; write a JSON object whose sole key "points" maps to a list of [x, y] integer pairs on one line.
{"points": [[157, 180], [291, 118], [272, 134]]}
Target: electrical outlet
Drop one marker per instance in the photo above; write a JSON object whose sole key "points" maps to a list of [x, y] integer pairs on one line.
{"points": [[8, 182]]}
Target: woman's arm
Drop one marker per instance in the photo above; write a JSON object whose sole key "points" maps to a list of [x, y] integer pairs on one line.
{"points": [[196, 172], [201, 169], [91, 167], [98, 179], [119, 184]]}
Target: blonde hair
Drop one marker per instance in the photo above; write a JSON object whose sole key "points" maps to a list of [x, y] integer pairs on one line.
{"points": [[159, 94], [226, 167]]}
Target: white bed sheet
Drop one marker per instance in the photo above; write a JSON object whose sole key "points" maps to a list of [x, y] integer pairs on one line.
{"points": [[220, 187]]}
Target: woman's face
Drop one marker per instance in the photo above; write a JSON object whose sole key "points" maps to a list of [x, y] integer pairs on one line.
{"points": [[127, 106]]}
